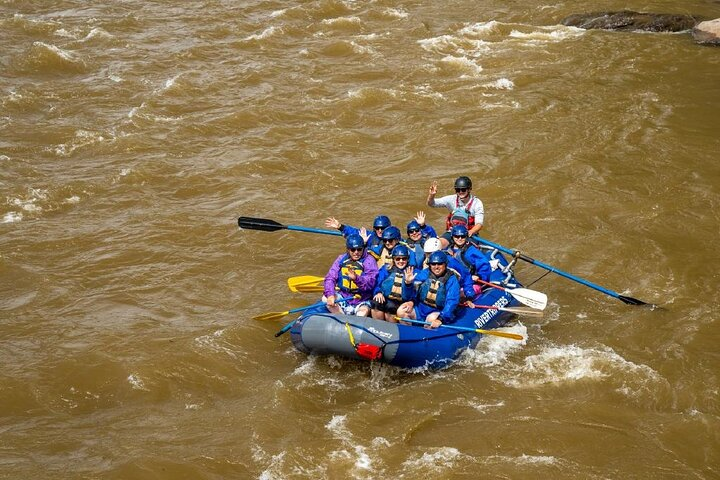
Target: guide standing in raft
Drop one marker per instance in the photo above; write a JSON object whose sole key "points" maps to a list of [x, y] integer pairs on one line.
{"points": [[465, 208]]}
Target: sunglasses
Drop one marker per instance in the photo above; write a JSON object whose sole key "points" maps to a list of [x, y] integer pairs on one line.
{"points": [[355, 249], [379, 228], [461, 190], [400, 259], [386, 240], [459, 236], [436, 264], [414, 230]]}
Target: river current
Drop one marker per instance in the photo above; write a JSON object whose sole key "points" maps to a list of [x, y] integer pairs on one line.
{"points": [[133, 134]]}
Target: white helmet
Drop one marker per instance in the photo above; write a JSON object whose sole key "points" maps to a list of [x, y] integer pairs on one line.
{"points": [[431, 245]]}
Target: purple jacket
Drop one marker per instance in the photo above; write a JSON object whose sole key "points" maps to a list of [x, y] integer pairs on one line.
{"points": [[365, 282]]}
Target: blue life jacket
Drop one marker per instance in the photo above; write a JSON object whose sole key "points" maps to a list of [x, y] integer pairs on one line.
{"points": [[432, 291], [392, 287]]}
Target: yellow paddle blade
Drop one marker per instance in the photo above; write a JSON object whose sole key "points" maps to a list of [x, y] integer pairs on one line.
{"points": [[309, 288], [514, 336], [294, 282], [271, 315]]}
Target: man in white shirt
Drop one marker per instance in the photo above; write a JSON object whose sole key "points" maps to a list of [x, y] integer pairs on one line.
{"points": [[465, 208]]}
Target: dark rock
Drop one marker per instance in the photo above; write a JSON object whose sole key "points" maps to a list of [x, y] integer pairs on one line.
{"points": [[627, 20], [707, 33]]}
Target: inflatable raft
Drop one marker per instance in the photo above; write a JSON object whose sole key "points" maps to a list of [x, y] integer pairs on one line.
{"points": [[318, 332]]}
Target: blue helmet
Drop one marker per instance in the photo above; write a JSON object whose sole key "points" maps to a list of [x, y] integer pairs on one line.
{"points": [[459, 231], [391, 233], [381, 221], [438, 257], [413, 225], [400, 251], [354, 241]]}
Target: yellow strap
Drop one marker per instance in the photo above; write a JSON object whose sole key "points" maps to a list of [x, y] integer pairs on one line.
{"points": [[352, 340]]}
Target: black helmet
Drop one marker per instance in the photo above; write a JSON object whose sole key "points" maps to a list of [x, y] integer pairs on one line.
{"points": [[463, 182]]}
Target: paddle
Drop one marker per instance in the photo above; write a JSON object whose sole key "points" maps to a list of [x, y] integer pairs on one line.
{"points": [[531, 298], [516, 310], [303, 280], [310, 288], [513, 336], [275, 315], [625, 299], [250, 223]]}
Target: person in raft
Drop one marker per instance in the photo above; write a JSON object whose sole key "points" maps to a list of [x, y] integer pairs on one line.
{"points": [[352, 273], [417, 234], [438, 293], [394, 285], [383, 254], [372, 239], [454, 265], [465, 208], [470, 256]]}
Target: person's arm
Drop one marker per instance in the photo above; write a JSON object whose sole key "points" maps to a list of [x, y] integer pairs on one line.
{"points": [[331, 278], [382, 275], [482, 266], [431, 194], [366, 281], [452, 300]]}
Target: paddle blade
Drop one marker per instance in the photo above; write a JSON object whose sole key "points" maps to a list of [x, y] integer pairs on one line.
{"points": [[310, 288], [523, 311], [531, 298], [271, 315], [302, 280], [250, 223], [631, 300], [513, 336]]}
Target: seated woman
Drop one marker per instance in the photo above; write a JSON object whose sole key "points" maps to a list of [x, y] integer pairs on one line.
{"points": [[438, 294], [352, 273], [470, 256], [394, 285]]}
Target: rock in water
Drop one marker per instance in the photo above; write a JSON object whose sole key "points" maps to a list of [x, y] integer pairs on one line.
{"points": [[707, 33], [627, 20]]}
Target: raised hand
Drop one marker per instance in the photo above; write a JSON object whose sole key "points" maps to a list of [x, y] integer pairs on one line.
{"points": [[420, 218], [364, 234], [332, 222], [433, 189], [409, 275]]}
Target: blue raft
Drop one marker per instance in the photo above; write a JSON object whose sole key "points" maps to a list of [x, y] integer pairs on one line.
{"points": [[318, 332]]}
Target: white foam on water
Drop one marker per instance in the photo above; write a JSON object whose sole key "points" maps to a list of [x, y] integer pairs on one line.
{"points": [[57, 51], [436, 460], [96, 32], [479, 28], [352, 451], [569, 364], [72, 200], [136, 382], [549, 34], [216, 343], [395, 12], [463, 64], [427, 92], [524, 459], [12, 217], [492, 351], [278, 13], [342, 21], [267, 33], [29, 202], [501, 84], [82, 138]]}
